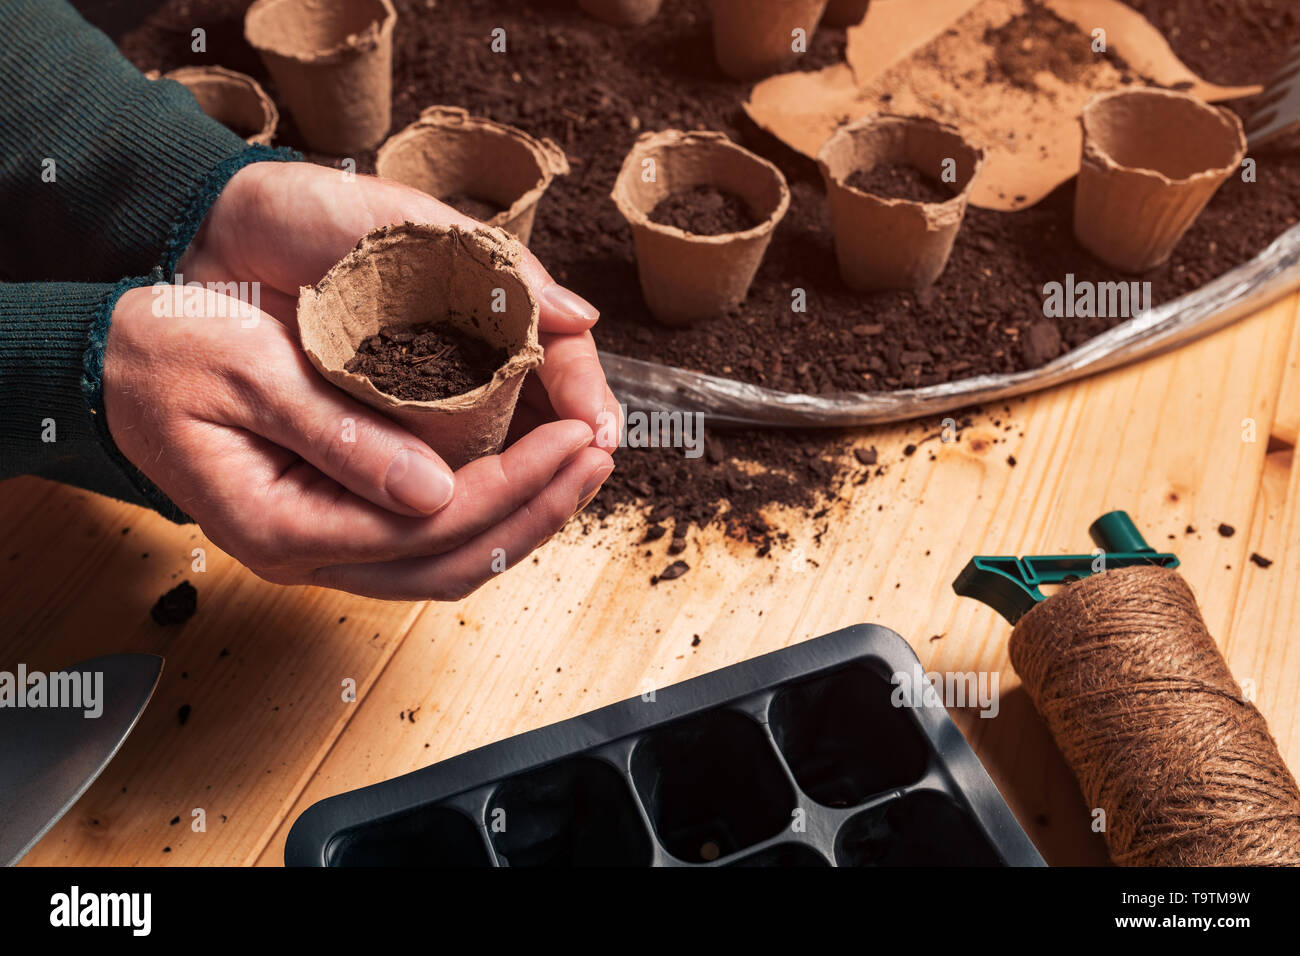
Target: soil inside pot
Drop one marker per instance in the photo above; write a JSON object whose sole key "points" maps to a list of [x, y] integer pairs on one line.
{"points": [[704, 211], [425, 363], [900, 181], [473, 206]]}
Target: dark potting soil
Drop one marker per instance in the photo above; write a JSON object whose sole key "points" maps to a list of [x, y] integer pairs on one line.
{"points": [[704, 211], [1039, 41], [594, 88], [472, 206], [426, 362], [176, 606], [900, 181], [585, 85], [1233, 42], [739, 475]]}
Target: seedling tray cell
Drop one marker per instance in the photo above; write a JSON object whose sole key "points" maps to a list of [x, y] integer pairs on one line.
{"points": [[795, 758]]}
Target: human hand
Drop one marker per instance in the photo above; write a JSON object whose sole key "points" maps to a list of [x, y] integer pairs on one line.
{"points": [[284, 225], [217, 404]]}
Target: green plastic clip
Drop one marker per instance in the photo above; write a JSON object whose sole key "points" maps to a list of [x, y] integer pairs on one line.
{"points": [[1011, 585]]}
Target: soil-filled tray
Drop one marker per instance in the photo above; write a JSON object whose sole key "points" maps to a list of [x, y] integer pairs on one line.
{"points": [[593, 88], [978, 332], [800, 757]]}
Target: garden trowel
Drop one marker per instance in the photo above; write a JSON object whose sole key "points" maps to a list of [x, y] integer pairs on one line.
{"points": [[58, 731]]}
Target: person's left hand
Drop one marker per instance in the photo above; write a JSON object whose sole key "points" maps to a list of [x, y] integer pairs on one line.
{"points": [[284, 225]]}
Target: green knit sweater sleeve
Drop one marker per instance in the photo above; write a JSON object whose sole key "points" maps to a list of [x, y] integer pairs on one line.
{"points": [[104, 174], [51, 405]]}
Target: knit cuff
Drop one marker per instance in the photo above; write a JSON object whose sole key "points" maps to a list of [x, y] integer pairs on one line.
{"points": [[120, 168], [52, 420], [187, 224]]}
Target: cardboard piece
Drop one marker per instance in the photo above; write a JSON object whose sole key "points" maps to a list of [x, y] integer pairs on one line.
{"points": [[752, 38], [410, 274], [447, 151], [332, 61], [1152, 159], [623, 13], [233, 99], [930, 59], [844, 13], [684, 277], [886, 243]]}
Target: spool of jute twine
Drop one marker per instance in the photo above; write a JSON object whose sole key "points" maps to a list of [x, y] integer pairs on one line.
{"points": [[1151, 721]]}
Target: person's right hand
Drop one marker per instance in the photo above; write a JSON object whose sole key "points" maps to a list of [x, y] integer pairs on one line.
{"points": [[241, 432]]}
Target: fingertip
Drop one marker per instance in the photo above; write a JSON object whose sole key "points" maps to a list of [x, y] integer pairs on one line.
{"points": [[421, 482], [578, 435], [558, 441], [563, 310], [599, 470], [610, 422]]}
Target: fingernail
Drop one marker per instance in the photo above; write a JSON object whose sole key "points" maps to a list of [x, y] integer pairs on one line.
{"points": [[578, 448], [617, 414], [593, 485], [418, 482], [569, 303]]}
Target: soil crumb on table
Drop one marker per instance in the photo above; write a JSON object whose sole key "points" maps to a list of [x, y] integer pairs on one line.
{"points": [[176, 606]]}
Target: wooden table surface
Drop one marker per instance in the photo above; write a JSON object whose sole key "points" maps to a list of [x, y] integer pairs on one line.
{"points": [[261, 667]]}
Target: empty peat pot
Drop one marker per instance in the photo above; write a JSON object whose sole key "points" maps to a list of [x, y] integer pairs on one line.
{"points": [[332, 61], [412, 274], [234, 100], [1151, 161], [448, 153], [623, 13], [752, 38], [686, 277], [887, 243]]}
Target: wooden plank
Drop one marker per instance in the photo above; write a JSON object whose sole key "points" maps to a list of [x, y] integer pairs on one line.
{"points": [[1265, 663], [268, 733], [591, 630], [259, 669], [1257, 645], [1286, 425]]}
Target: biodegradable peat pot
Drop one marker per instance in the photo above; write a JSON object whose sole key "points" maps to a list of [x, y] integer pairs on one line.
{"points": [[845, 13], [332, 61], [687, 277], [232, 99], [447, 151], [1151, 161], [752, 38], [884, 243], [623, 13], [406, 275]]}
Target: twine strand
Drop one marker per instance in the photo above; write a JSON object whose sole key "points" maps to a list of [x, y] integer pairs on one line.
{"points": [[1148, 716]]}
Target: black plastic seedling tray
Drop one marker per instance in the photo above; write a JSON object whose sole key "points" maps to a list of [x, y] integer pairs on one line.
{"points": [[795, 758]]}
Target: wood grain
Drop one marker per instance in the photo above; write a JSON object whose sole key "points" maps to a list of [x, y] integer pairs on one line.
{"points": [[269, 732]]}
